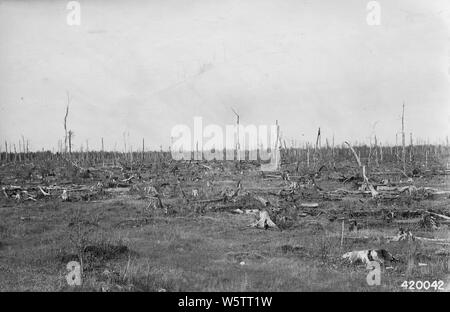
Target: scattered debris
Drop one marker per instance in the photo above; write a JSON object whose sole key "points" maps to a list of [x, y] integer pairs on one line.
{"points": [[403, 235], [429, 222]]}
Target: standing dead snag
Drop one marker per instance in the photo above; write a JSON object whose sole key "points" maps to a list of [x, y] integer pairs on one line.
{"points": [[368, 185], [410, 147], [403, 139], [65, 123], [70, 142], [354, 153], [366, 180]]}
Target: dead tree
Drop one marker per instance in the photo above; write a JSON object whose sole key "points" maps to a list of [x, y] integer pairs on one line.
{"points": [[317, 148], [23, 148], [65, 123], [70, 142], [403, 139], [332, 149], [366, 184]]}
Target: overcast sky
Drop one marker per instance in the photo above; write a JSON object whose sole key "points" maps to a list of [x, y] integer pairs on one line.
{"points": [[141, 67]]}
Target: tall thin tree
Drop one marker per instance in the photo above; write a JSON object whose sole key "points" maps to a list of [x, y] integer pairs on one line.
{"points": [[65, 123]]}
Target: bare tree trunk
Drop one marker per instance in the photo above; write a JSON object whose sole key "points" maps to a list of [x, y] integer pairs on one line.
{"points": [[23, 148], [20, 151], [403, 139], [238, 147], [70, 143], [65, 123], [358, 158]]}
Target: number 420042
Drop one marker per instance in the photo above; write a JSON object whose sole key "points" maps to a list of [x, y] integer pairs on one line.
{"points": [[425, 285]]}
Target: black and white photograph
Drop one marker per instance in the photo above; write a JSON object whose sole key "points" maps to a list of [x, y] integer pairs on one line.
{"points": [[237, 147]]}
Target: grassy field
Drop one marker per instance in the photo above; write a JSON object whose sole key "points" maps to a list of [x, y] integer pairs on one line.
{"points": [[127, 243]]}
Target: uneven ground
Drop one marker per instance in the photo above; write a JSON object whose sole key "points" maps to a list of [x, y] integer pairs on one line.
{"points": [[146, 229]]}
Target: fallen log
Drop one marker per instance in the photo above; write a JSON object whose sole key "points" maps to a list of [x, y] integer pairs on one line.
{"points": [[43, 192], [408, 221], [439, 215], [206, 201], [434, 240], [309, 205]]}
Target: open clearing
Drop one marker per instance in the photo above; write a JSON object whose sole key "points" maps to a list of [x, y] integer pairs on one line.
{"points": [[184, 226]]}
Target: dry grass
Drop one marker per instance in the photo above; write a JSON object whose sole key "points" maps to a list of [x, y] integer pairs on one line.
{"points": [[187, 253]]}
